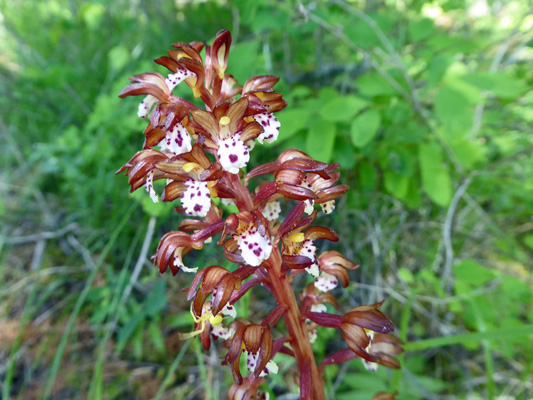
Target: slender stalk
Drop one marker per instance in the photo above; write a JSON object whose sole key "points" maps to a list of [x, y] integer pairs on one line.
{"points": [[299, 339], [295, 322]]}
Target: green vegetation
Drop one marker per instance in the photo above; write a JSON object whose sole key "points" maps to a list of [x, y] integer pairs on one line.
{"points": [[426, 105]]}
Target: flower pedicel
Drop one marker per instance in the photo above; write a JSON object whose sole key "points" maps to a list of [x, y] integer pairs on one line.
{"points": [[267, 251]]}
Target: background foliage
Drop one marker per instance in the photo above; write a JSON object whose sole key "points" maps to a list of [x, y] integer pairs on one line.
{"points": [[427, 106]]}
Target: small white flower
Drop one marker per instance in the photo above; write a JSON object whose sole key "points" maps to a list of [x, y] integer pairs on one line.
{"points": [[196, 199], [270, 127], [146, 105], [328, 206], [177, 140], [370, 366], [313, 335], [253, 246], [233, 154], [308, 250], [326, 282], [320, 308], [220, 331], [309, 204], [270, 368], [229, 311], [150, 186], [272, 210], [178, 262], [227, 202], [173, 80]]}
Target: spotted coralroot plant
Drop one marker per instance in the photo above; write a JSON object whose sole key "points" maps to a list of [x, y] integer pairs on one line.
{"points": [[201, 153]]}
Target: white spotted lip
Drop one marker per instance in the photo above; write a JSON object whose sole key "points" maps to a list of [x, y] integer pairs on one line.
{"points": [[196, 200], [233, 154]]}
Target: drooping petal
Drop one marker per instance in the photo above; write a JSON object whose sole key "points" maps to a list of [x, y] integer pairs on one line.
{"points": [[196, 200], [150, 186], [177, 140], [233, 154], [326, 282], [146, 105], [270, 127]]}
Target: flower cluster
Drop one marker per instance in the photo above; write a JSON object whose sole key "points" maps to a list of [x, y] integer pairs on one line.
{"points": [[200, 154]]}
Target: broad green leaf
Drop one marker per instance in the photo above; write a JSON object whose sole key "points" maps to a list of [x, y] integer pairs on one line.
{"points": [[470, 271], [420, 30], [320, 140], [396, 184], [469, 153], [499, 83], [367, 176], [373, 84], [267, 18], [455, 114], [248, 54], [292, 121], [413, 198], [437, 67], [118, 57], [406, 275], [344, 153], [365, 127], [435, 175], [342, 108]]}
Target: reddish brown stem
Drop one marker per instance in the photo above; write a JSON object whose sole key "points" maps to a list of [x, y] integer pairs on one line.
{"points": [[295, 322]]}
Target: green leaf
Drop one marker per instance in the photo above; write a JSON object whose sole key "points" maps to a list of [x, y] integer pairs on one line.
{"points": [[344, 153], [118, 57], [435, 175], [396, 184], [468, 152], [455, 113], [154, 331], [406, 275], [365, 127], [127, 331], [292, 121], [367, 176], [499, 83], [320, 140], [471, 272], [437, 67], [248, 54], [469, 338], [342, 108], [420, 30], [373, 84], [157, 299]]}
